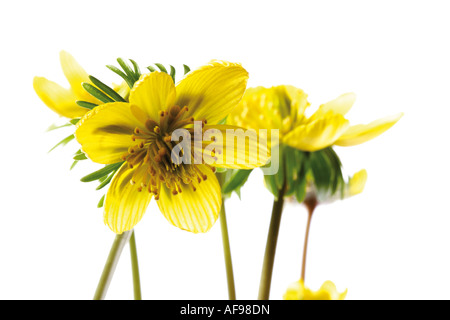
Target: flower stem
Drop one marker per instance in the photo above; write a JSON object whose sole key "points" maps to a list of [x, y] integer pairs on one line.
{"points": [[135, 268], [111, 263], [311, 204], [271, 245], [227, 254]]}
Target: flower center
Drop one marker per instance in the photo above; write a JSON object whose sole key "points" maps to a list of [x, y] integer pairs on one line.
{"points": [[151, 155]]}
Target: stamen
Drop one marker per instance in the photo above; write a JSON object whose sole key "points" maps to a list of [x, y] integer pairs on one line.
{"points": [[150, 125], [174, 120], [174, 112], [150, 156]]}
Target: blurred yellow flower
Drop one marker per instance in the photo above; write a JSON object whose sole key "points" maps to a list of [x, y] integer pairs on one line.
{"points": [[139, 133], [62, 100], [283, 108], [328, 291]]}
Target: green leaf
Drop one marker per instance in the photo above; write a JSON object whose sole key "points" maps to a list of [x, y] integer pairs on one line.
{"points": [[236, 181], [74, 121], [74, 164], [80, 157], [280, 175], [106, 89], [151, 69], [337, 178], [293, 161], [106, 181], [87, 105], [100, 203], [271, 185], [302, 181], [161, 67], [300, 190], [54, 127], [116, 70], [63, 142], [127, 70], [102, 172], [186, 69], [137, 70], [321, 169], [223, 121], [172, 73], [93, 91]]}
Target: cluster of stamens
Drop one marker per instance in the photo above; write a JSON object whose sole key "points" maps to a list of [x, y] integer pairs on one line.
{"points": [[150, 156]]}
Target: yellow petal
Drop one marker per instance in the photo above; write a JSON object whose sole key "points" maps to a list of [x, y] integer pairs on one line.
{"points": [[212, 91], [364, 132], [76, 75], [122, 89], [340, 105], [124, 204], [329, 290], [295, 291], [357, 183], [57, 98], [234, 147], [257, 110], [152, 93], [105, 132], [194, 211], [298, 103], [317, 134]]}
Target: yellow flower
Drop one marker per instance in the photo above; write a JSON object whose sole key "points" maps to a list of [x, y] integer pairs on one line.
{"points": [[284, 107], [62, 100], [328, 291], [139, 132]]}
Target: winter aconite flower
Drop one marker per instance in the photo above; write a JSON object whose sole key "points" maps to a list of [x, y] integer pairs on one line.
{"points": [[308, 167], [140, 134], [62, 100], [306, 141], [284, 107], [328, 291]]}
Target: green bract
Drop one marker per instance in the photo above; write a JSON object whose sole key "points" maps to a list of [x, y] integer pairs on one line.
{"points": [[320, 170]]}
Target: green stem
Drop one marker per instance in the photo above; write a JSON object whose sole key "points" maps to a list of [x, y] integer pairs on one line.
{"points": [[271, 245], [135, 268], [111, 263], [227, 254]]}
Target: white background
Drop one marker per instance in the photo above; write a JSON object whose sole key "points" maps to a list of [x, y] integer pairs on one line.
{"points": [[391, 242]]}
